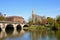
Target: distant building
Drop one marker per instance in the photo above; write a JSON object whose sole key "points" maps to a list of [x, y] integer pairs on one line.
{"points": [[45, 21], [15, 19], [36, 17]]}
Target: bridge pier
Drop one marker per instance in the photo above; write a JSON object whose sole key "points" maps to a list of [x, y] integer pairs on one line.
{"points": [[2, 26], [14, 25]]}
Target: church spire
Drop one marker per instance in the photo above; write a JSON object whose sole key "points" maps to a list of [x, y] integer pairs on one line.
{"points": [[33, 16], [32, 11]]}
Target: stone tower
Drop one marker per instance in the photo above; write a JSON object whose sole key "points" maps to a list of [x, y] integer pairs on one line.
{"points": [[33, 16]]}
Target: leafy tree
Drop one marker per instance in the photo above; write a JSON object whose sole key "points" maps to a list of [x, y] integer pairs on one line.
{"points": [[30, 22], [56, 25], [50, 21], [2, 18], [58, 19]]}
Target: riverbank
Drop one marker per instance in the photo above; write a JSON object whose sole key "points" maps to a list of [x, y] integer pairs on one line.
{"points": [[31, 28]]}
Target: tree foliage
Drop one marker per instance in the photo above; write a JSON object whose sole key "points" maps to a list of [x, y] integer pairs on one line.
{"points": [[56, 25], [2, 18], [58, 19], [50, 20], [30, 21]]}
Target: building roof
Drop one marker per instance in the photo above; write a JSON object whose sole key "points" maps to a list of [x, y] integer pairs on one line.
{"points": [[37, 16], [15, 17]]}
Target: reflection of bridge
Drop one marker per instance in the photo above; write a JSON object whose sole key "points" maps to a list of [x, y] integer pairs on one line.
{"points": [[8, 24], [13, 34]]}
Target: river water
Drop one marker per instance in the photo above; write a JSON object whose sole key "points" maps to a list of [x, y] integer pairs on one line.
{"points": [[30, 35]]}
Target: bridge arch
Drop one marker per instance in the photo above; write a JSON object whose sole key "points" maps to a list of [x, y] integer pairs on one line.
{"points": [[18, 28], [25, 26], [0, 29], [9, 28]]}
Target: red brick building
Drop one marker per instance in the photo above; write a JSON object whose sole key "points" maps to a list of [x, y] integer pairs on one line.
{"points": [[15, 19]]}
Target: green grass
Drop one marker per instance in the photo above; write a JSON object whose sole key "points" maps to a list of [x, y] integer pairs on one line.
{"points": [[26, 28], [35, 27]]}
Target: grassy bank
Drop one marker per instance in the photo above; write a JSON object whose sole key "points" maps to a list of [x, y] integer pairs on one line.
{"points": [[40, 28], [35, 28]]}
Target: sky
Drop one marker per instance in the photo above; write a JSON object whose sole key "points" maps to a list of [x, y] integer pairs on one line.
{"points": [[48, 8]]}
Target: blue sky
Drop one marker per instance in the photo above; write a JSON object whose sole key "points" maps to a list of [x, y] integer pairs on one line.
{"points": [[23, 8]]}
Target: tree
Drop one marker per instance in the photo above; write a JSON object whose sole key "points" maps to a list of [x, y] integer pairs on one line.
{"points": [[2, 18], [50, 21], [30, 22], [58, 19], [56, 25]]}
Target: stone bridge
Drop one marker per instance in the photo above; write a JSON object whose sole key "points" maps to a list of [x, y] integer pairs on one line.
{"points": [[5, 25]]}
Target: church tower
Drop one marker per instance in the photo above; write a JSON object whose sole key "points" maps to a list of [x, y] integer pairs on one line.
{"points": [[33, 16]]}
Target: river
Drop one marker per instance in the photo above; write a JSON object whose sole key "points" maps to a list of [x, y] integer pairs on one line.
{"points": [[30, 35]]}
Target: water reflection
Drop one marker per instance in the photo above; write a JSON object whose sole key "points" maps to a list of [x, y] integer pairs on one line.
{"points": [[44, 35], [6, 36], [58, 34], [3, 35], [30, 35]]}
